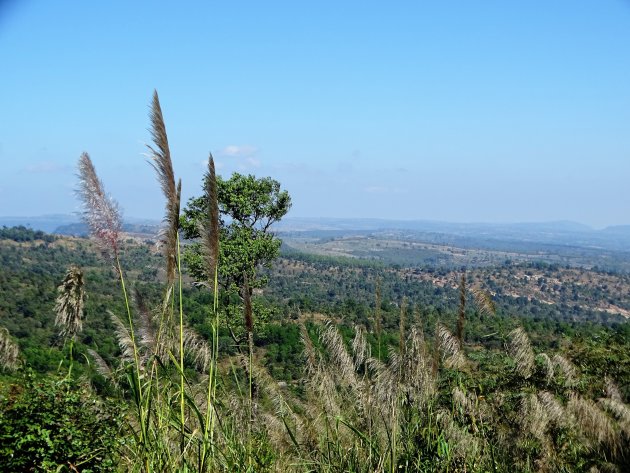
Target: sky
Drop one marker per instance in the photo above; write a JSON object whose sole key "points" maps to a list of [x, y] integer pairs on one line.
{"points": [[485, 111]]}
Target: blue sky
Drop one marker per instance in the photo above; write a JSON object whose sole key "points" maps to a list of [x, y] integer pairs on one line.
{"points": [[488, 111]]}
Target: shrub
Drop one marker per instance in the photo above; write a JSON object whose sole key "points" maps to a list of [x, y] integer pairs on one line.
{"points": [[55, 424]]}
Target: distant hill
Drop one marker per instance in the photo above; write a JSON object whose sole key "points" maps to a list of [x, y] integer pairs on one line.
{"points": [[310, 224], [618, 230], [80, 229], [563, 233], [64, 224], [45, 223]]}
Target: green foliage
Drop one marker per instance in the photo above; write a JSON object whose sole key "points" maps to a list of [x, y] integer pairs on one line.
{"points": [[54, 424], [423, 437], [31, 272], [248, 207], [22, 234]]}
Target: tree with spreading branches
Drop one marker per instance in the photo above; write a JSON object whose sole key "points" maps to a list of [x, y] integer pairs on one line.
{"points": [[248, 208]]}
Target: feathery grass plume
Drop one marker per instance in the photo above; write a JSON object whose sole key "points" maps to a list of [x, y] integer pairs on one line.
{"points": [[450, 347], [360, 347], [102, 367], [611, 389], [534, 416], [125, 341], [385, 380], [521, 350], [464, 446], [620, 411], [418, 368], [161, 162], [69, 303], [568, 369], [209, 232], [324, 401], [553, 408], [549, 367], [310, 355], [592, 421], [339, 355], [320, 381], [9, 351], [210, 228], [460, 399], [269, 387], [100, 211], [470, 405], [484, 303], [147, 333], [461, 314], [197, 349]]}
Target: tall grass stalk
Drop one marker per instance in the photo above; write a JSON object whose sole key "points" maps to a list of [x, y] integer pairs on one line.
{"points": [[101, 214], [210, 247], [249, 327]]}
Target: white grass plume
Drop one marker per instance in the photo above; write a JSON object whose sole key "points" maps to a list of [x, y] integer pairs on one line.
{"points": [[450, 347], [161, 162], [102, 367], [521, 350], [339, 355], [568, 369], [360, 347], [69, 303], [548, 366], [9, 351], [124, 338], [592, 421], [209, 230], [100, 212]]}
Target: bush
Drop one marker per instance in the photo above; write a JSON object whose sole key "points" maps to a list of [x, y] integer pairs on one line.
{"points": [[56, 425]]}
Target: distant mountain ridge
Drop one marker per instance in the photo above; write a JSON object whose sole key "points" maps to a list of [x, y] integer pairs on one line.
{"points": [[68, 224], [325, 223], [565, 233], [559, 232]]}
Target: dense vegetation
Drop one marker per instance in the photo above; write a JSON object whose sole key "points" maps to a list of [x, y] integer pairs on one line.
{"points": [[303, 291]]}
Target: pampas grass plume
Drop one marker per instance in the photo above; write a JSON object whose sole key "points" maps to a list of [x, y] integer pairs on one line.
{"points": [[69, 303], [100, 212]]}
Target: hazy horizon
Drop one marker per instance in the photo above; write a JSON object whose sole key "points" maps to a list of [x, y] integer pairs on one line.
{"points": [[444, 111], [289, 217]]}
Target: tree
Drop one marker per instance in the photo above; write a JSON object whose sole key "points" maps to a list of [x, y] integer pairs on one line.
{"points": [[248, 206]]}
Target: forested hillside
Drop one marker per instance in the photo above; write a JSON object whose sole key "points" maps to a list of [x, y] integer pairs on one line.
{"points": [[496, 378], [300, 286]]}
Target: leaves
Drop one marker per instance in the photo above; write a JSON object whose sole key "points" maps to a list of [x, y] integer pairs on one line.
{"points": [[248, 206]]}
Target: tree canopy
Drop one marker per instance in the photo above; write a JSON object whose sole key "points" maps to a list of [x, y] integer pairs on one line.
{"points": [[248, 206]]}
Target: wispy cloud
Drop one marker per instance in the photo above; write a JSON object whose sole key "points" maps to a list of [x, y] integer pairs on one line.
{"points": [[236, 157], [45, 167], [238, 151]]}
